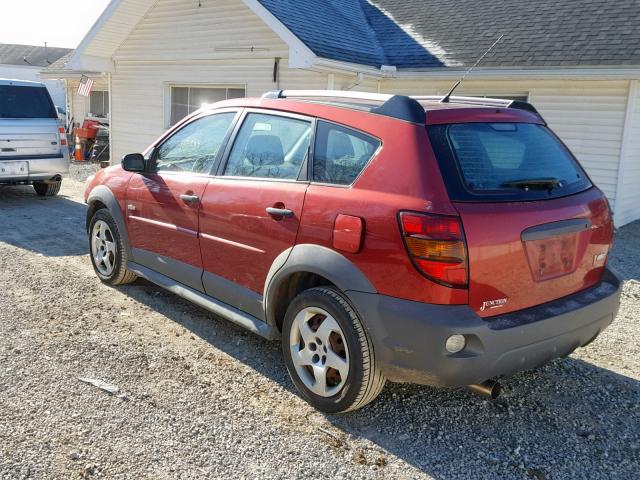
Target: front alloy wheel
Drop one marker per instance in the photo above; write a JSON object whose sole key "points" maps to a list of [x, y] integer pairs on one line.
{"points": [[103, 248], [108, 253]]}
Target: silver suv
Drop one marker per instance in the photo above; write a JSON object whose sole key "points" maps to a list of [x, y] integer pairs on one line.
{"points": [[33, 143]]}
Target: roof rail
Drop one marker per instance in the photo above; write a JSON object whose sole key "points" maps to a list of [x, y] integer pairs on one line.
{"points": [[489, 102], [400, 106], [394, 106], [380, 97]]}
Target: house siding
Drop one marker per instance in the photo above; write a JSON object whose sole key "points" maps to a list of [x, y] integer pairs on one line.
{"points": [[628, 209], [123, 20], [179, 29], [589, 116]]}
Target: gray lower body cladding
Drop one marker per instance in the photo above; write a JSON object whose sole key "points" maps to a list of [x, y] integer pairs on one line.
{"points": [[211, 304], [409, 337]]}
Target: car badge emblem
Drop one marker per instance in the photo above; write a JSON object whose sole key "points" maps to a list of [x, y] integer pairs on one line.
{"points": [[491, 304]]}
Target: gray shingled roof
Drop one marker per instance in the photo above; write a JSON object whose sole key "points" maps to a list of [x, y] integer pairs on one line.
{"points": [[61, 64], [420, 34], [536, 33], [12, 54]]}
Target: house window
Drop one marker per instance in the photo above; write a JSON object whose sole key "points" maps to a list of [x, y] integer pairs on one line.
{"points": [[186, 100], [99, 103]]}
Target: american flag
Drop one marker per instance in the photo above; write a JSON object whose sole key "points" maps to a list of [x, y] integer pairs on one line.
{"points": [[86, 84]]}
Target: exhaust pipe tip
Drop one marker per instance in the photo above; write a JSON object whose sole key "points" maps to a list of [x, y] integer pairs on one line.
{"points": [[489, 389]]}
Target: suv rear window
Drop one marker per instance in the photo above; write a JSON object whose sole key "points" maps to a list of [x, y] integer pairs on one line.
{"points": [[25, 102], [505, 161]]}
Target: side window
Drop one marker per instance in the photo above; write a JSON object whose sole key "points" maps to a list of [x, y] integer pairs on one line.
{"points": [[195, 147], [99, 103], [269, 146], [341, 153]]}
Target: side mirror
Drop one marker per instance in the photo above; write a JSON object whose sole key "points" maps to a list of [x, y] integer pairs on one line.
{"points": [[133, 162]]}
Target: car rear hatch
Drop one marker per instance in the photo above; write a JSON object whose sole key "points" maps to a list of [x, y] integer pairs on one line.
{"points": [[535, 228], [29, 125], [28, 138]]}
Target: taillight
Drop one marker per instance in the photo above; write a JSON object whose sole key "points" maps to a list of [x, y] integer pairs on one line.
{"points": [[436, 246], [63, 136]]}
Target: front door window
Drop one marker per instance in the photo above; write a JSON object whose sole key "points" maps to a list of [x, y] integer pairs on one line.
{"points": [[195, 147]]}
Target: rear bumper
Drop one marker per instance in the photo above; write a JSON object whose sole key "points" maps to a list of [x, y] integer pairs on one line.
{"points": [[40, 168], [409, 337]]}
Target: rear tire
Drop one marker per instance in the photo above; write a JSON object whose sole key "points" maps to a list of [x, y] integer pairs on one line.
{"points": [[107, 251], [310, 352], [47, 189]]}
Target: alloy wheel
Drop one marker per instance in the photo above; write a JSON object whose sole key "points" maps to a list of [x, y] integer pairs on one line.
{"points": [[103, 248], [319, 351]]}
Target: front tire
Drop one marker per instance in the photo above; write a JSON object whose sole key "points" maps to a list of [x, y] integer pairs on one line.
{"points": [[47, 189], [328, 353], [107, 252]]}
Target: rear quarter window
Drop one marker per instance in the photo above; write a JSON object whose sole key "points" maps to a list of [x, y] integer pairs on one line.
{"points": [[505, 161], [341, 153], [17, 101]]}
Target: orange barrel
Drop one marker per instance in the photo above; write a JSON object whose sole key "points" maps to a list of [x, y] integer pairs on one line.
{"points": [[86, 133]]}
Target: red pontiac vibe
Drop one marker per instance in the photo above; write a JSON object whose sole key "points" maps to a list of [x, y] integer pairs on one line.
{"points": [[381, 237]]}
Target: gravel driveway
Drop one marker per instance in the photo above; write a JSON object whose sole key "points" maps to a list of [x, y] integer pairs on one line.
{"points": [[199, 398]]}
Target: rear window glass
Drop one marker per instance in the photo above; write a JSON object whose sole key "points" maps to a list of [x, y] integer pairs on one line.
{"points": [[512, 161], [25, 102]]}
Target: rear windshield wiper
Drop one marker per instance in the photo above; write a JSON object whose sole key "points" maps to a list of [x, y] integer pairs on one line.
{"points": [[535, 183]]}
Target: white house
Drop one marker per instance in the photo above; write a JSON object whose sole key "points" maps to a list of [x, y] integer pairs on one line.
{"points": [[95, 106], [577, 62], [25, 62]]}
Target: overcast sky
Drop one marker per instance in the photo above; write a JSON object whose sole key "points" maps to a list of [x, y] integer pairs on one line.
{"points": [[60, 23]]}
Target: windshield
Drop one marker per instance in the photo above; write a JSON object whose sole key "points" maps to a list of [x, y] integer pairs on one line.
{"points": [[509, 161], [25, 102]]}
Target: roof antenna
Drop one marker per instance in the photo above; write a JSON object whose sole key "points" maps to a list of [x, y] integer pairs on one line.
{"points": [[445, 99], [46, 55]]}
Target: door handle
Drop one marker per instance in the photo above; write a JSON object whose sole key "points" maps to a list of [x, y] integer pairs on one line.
{"points": [[189, 198], [279, 212]]}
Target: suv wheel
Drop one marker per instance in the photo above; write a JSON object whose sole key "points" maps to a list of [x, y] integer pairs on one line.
{"points": [[108, 255], [47, 189], [328, 353]]}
